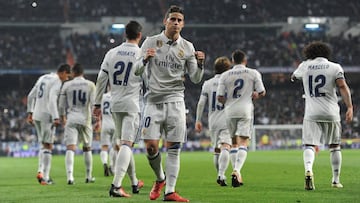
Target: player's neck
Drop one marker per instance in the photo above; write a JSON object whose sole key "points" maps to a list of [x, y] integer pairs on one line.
{"points": [[172, 36], [132, 41]]}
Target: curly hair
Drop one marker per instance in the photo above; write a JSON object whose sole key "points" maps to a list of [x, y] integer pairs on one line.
{"points": [[317, 49]]}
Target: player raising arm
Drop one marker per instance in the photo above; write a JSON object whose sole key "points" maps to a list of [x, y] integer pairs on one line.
{"points": [[166, 58]]}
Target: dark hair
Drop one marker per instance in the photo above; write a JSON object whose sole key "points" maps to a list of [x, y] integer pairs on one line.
{"points": [[77, 69], [316, 49], [132, 29], [174, 9], [222, 64], [64, 68], [238, 56]]}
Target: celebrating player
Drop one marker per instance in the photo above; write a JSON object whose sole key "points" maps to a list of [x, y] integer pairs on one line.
{"points": [[167, 57]]}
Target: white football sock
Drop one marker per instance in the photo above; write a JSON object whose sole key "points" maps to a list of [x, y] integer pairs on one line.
{"points": [[223, 163], [132, 171], [216, 161], [40, 160], [47, 156], [88, 164], [309, 157], [104, 156], [241, 158], [122, 164], [233, 155], [69, 164], [336, 159], [112, 159], [172, 169]]}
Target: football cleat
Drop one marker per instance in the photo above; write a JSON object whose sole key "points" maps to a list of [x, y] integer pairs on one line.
{"points": [[117, 192], [336, 185], [175, 197], [40, 177], [106, 170], [70, 182], [90, 180], [111, 171], [309, 181], [156, 189], [136, 188], [47, 182], [236, 180], [221, 182]]}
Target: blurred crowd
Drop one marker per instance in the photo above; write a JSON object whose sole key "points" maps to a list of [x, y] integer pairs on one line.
{"points": [[31, 46], [43, 48], [200, 11]]}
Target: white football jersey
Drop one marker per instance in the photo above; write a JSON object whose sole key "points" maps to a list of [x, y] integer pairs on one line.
{"points": [[77, 97], [239, 83], [39, 97], [164, 73], [216, 109], [117, 69], [107, 120], [318, 77]]}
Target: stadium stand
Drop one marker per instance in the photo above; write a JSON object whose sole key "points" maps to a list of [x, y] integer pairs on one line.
{"points": [[32, 38]]}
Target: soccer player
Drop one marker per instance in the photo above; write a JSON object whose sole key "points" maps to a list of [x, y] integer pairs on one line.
{"points": [[76, 98], [117, 68], [107, 135], [42, 111], [321, 124], [220, 137], [166, 58], [242, 85]]}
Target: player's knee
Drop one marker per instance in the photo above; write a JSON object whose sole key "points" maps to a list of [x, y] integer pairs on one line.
{"points": [[217, 150], [151, 150], [86, 149]]}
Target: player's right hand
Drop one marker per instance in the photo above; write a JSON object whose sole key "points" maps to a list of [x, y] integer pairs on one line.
{"points": [[29, 119], [198, 126], [150, 52]]}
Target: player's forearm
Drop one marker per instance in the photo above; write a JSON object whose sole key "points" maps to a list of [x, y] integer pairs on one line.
{"points": [[346, 95], [100, 86]]}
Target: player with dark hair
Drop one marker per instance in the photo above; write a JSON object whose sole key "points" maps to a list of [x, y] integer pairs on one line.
{"points": [[220, 137], [75, 102], [242, 85], [42, 111], [321, 124], [166, 58], [125, 86]]}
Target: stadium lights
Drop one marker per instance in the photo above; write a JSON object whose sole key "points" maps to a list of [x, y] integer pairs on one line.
{"points": [[312, 26], [117, 26]]}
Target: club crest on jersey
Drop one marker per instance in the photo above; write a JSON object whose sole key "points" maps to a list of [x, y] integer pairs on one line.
{"points": [[159, 43], [181, 53]]}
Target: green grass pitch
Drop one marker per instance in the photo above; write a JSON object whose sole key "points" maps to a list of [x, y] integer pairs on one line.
{"points": [[269, 176]]}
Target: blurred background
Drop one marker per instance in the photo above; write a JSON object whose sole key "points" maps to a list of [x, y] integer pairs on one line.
{"points": [[36, 36]]}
